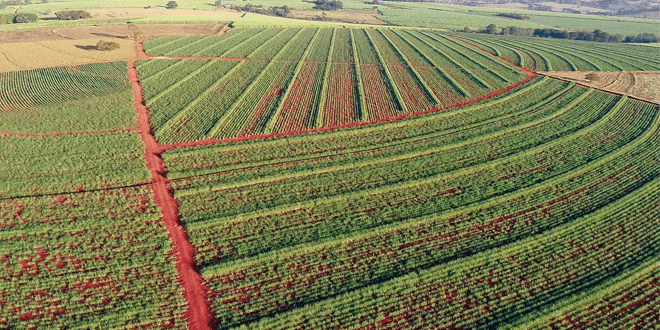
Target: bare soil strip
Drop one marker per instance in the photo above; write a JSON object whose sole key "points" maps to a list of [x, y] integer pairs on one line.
{"points": [[194, 292], [643, 85]]}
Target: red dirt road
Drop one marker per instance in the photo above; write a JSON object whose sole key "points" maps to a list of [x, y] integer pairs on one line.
{"points": [[194, 292]]}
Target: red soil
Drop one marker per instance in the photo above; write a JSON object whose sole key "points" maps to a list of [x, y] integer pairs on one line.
{"points": [[194, 292], [162, 148], [68, 133]]}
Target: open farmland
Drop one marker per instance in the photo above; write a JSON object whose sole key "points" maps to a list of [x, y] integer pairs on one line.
{"points": [[567, 55], [327, 177], [254, 82]]}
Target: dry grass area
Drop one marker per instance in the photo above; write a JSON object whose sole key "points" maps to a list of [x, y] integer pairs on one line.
{"points": [[48, 47], [344, 15], [559, 7], [46, 54], [641, 84]]}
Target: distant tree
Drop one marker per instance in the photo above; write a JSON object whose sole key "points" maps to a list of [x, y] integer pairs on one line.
{"points": [[68, 15], [467, 29], [172, 5], [218, 4], [28, 2], [286, 10], [375, 2], [491, 29], [106, 45], [328, 4], [25, 18]]}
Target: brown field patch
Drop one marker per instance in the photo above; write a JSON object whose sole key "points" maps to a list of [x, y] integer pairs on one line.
{"points": [[46, 54], [641, 84], [345, 15], [120, 31]]}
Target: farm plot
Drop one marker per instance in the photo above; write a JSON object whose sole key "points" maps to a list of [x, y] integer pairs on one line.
{"points": [[38, 165], [295, 85], [91, 260], [24, 89], [287, 234], [541, 54]]}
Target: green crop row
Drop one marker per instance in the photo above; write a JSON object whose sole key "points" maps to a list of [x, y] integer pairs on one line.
{"points": [[87, 260], [45, 165], [22, 89], [493, 287], [568, 55], [298, 207]]}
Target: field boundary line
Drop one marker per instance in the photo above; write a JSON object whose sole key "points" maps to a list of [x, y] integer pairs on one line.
{"points": [[198, 313], [69, 133]]}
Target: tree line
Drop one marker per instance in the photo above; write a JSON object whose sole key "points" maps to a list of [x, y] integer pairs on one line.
{"points": [[595, 35]]}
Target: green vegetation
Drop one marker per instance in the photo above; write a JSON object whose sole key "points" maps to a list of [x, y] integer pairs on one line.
{"points": [[293, 174], [98, 113], [368, 210], [402, 73], [34, 166], [23, 89], [451, 17], [567, 55], [91, 260], [72, 15]]}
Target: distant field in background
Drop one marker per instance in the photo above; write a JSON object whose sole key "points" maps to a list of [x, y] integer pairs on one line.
{"points": [[412, 14], [452, 17], [339, 77]]}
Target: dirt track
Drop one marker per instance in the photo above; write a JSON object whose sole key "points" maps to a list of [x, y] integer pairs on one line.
{"points": [[640, 84]]}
